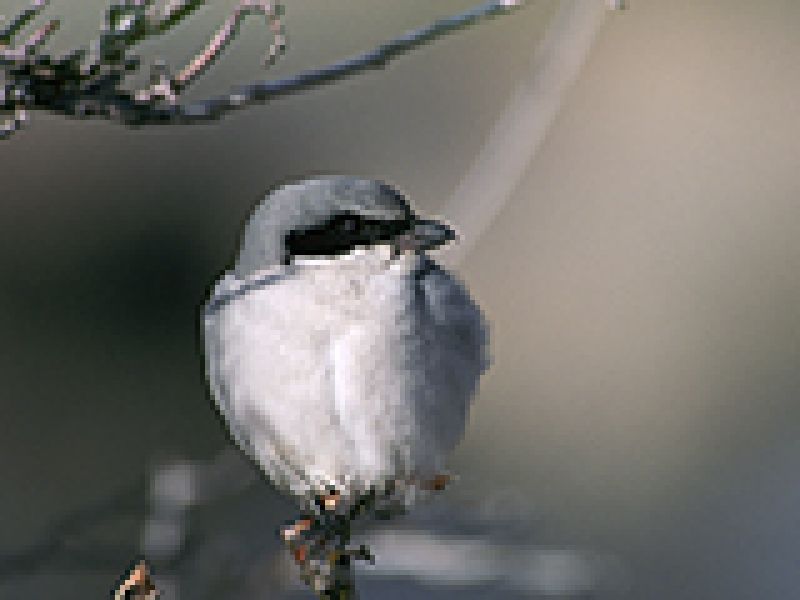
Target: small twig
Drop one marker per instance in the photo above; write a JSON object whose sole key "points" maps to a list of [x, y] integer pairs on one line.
{"points": [[14, 123], [22, 19], [38, 37], [137, 585], [224, 36]]}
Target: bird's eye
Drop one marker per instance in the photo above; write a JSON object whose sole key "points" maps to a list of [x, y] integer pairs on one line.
{"points": [[350, 224]]}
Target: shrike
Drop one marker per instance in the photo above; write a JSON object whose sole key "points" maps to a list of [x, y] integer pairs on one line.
{"points": [[342, 358]]}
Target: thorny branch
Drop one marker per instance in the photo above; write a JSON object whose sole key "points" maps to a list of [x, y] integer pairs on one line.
{"points": [[87, 83]]}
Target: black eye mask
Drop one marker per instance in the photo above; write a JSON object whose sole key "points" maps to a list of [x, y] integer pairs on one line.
{"points": [[342, 233]]}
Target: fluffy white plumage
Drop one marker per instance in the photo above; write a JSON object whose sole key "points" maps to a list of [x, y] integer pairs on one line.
{"points": [[351, 372]]}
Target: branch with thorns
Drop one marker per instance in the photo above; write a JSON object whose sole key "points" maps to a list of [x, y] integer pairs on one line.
{"points": [[87, 83]]}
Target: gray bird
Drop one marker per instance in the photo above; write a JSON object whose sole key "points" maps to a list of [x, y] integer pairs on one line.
{"points": [[342, 358]]}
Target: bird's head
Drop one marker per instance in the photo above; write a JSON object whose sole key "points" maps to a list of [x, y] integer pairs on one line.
{"points": [[330, 217]]}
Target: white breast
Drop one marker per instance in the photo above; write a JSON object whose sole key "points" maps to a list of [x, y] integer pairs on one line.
{"points": [[352, 374]]}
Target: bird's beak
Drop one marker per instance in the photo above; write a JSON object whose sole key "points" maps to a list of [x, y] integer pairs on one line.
{"points": [[425, 235]]}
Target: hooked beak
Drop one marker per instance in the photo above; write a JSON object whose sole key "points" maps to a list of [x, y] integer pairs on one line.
{"points": [[425, 235]]}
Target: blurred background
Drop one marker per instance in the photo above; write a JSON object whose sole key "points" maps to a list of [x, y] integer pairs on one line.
{"points": [[637, 436]]}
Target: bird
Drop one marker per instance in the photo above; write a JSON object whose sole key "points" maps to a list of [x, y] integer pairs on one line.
{"points": [[342, 358]]}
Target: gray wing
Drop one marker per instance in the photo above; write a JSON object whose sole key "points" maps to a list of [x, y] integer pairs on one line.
{"points": [[461, 356], [455, 313]]}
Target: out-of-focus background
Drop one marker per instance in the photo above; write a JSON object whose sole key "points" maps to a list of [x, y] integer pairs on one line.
{"points": [[637, 436]]}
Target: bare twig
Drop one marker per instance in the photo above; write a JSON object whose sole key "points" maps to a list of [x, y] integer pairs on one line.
{"points": [[137, 585], [22, 19], [227, 32], [87, 83]]}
